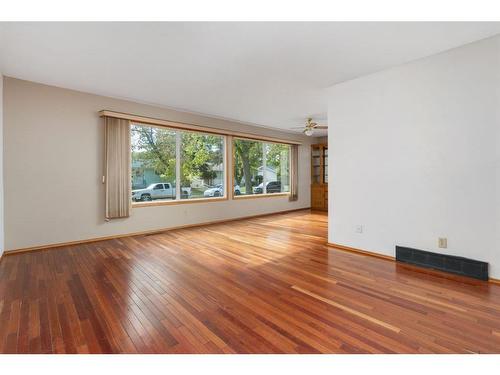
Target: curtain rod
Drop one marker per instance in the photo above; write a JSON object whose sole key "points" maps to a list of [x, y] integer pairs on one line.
{"points": [[192, 127]]}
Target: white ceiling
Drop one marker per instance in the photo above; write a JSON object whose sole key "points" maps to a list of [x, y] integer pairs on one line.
{"points": [[270, 74]]}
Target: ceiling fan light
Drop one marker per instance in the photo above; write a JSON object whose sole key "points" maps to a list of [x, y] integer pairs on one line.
{"points": [[308, 132]]}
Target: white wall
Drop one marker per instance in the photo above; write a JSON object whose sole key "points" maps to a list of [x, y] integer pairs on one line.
{"points": [[414, 155], [53, 168], [1, 168]]}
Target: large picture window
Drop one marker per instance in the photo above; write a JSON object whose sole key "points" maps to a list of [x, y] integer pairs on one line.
{"points": [[161, 157], [260, 167]]}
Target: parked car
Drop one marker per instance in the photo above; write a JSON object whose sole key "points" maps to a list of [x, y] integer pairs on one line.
{"points": [[271, 187], [218, 191], [158, 191]]}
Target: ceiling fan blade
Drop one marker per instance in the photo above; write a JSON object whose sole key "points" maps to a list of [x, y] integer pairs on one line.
{"points": [[321, 127]]}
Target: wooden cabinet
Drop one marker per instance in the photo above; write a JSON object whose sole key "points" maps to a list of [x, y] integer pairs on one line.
{"points": [[317, 197], [319, 177]]}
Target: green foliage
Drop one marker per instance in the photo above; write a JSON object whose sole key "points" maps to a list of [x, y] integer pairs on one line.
{"points": [[248, 158], [155, 148], [200, 154]]}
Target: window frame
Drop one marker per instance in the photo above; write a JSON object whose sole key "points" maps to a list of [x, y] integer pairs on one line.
{"points": [[228, 136], [233, 162], [178, 199]]}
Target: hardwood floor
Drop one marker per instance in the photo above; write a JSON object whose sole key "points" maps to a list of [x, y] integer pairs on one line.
{"points": [[264, 285]]}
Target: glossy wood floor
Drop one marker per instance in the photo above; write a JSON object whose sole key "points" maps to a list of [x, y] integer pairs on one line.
{"points": [[265, 285]]}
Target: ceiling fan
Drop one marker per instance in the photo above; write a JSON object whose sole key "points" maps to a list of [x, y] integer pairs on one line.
{"points": [[310, 126]]}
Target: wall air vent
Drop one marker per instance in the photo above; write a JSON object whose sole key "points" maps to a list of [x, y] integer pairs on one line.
{"points": [[442, 262]]}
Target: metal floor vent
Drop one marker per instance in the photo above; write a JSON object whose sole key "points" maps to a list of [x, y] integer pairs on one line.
{"points": [[443, 262]]}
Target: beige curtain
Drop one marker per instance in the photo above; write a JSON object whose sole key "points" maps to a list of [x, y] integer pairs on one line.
{"points": [[294, 168], [117, 167]]}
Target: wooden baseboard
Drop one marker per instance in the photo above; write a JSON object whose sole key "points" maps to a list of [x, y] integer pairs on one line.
{"points": [[359, 251], [154, 231], [494, 281], [391, 258]]}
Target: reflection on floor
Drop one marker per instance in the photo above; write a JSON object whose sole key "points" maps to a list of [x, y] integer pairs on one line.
{"points": [[264, 285]]}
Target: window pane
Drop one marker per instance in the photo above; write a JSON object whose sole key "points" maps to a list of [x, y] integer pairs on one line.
{"points": [[153, 161], [202, 166], [277, 168], [248, 169]]}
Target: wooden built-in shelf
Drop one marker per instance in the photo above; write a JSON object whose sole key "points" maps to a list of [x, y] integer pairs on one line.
{"points": [[319, 176]]}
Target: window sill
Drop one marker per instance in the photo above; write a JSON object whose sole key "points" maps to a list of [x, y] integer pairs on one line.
{"points": [[268, 195], [176, 202], [205, 200]]}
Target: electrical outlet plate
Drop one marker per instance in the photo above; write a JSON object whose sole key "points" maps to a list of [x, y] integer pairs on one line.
{"points": [[442, 242], [358, 229]]}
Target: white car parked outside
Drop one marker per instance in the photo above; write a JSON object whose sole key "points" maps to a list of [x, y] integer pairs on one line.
{"points": [[158, 191]]}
